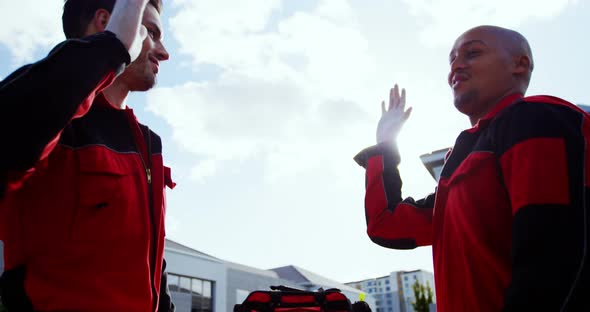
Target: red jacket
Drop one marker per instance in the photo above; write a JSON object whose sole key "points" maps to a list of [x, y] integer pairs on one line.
{"points": [[82, 215], [509, 220]]}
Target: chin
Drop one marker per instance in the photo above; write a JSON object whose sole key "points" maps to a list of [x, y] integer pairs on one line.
{"points": [[464, 102], [144, 85]]}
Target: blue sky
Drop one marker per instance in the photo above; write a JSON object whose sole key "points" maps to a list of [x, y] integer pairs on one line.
{"points": [[264, 103]]}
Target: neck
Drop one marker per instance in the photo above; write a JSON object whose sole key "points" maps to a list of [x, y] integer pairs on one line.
{"points": [[117, 93], [490, 104]]}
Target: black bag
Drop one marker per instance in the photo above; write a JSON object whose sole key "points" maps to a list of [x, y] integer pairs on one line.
{"points": [[285, 299]]}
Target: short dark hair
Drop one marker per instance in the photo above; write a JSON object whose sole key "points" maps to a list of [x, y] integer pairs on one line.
{"points": [[78, 13]]}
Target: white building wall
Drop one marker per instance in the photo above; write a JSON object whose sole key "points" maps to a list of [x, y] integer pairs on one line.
{"points": [[185, 264]]}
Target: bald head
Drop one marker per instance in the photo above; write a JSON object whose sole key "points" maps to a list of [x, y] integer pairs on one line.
{"points": [[514, 43], [488, 63]]}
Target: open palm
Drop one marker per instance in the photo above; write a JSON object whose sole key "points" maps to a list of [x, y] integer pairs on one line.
{"points": [[393, 117]]}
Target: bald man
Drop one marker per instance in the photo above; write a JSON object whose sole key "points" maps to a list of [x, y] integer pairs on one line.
{"points": [[509, 219]]}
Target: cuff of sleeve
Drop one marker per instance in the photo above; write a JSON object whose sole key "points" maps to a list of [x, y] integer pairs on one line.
{"points": [[113, 48], [388, 150]]}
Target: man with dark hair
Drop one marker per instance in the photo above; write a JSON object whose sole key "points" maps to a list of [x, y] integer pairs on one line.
{"points": [[509, 219], [81, 181], [78, 14]]}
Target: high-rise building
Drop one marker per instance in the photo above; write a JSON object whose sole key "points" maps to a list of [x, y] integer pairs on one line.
{"points": [[393, 292]]}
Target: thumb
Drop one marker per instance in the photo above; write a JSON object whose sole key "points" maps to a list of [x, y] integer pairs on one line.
{"points": [[137, 44], [407, 114], [142, 33]]}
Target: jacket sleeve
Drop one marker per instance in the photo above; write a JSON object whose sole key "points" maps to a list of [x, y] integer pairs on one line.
{"points": [[391, 221], [542, 156], [165, 304], [38, 100]]}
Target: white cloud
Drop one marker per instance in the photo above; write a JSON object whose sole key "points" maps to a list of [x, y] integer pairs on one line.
{"points": [[29, 25], [289, 92], [444, 20], [281, 75], [273, 135], [227, 33]]}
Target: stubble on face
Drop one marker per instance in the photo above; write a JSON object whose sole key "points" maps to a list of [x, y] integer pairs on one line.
{"points": [[484, 70], [462, 101], [475, 70], [140, 74]]}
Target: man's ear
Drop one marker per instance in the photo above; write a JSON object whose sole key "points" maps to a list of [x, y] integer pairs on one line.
{"points": [[99, 21], [522, 65]]}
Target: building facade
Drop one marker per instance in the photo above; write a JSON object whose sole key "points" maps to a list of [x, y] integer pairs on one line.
{"points": [[197, 281], [393, 292], [202, 283]]}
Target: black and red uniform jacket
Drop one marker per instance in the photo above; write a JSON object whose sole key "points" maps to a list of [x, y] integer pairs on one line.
{"points": [[509, 219], [82, 205]]}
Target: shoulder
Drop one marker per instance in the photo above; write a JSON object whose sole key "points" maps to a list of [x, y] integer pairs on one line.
{"points": [[538, 117], [540, 111], [155, 139]]}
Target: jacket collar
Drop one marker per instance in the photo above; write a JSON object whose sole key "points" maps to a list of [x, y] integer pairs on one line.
{"points": [[102, 101], [496, 109]]}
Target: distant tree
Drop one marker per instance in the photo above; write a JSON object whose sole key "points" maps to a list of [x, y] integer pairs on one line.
{"points": [[422, 297]]}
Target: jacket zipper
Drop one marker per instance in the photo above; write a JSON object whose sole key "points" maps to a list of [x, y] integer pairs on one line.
{"points": [[148, 172], [154, 245]]}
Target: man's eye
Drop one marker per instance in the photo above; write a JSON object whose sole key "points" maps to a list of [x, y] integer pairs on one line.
{"points": [[473, 53], [151, 33]]}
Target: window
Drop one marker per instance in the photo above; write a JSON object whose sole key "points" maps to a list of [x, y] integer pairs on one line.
{"points": [[387, 282], [388, 295], [405, 278], [185, 285], [173, 282], [387, 288], [200, 291], [207, 304]]}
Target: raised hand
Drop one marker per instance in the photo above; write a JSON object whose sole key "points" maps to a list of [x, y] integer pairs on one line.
{"points": [[125, 23], [394, 117]]}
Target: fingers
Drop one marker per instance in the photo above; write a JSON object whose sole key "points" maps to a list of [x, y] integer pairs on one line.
{"points": [[394, 97], [137, 44], [396, 101], [403, 100], [125, 20]]}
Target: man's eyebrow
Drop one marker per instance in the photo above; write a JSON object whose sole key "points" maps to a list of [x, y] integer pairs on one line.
{"points": [[470, 42]]}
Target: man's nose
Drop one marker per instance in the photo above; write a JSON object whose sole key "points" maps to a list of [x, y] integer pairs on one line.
{"points": [[457, 64], [161, 52]]}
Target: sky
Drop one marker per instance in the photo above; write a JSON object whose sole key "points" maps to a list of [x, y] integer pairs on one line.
{"points": [[264, 103]]}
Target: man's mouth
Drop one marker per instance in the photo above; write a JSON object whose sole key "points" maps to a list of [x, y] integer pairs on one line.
{"points": [[156, 64], [458, 79]]}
